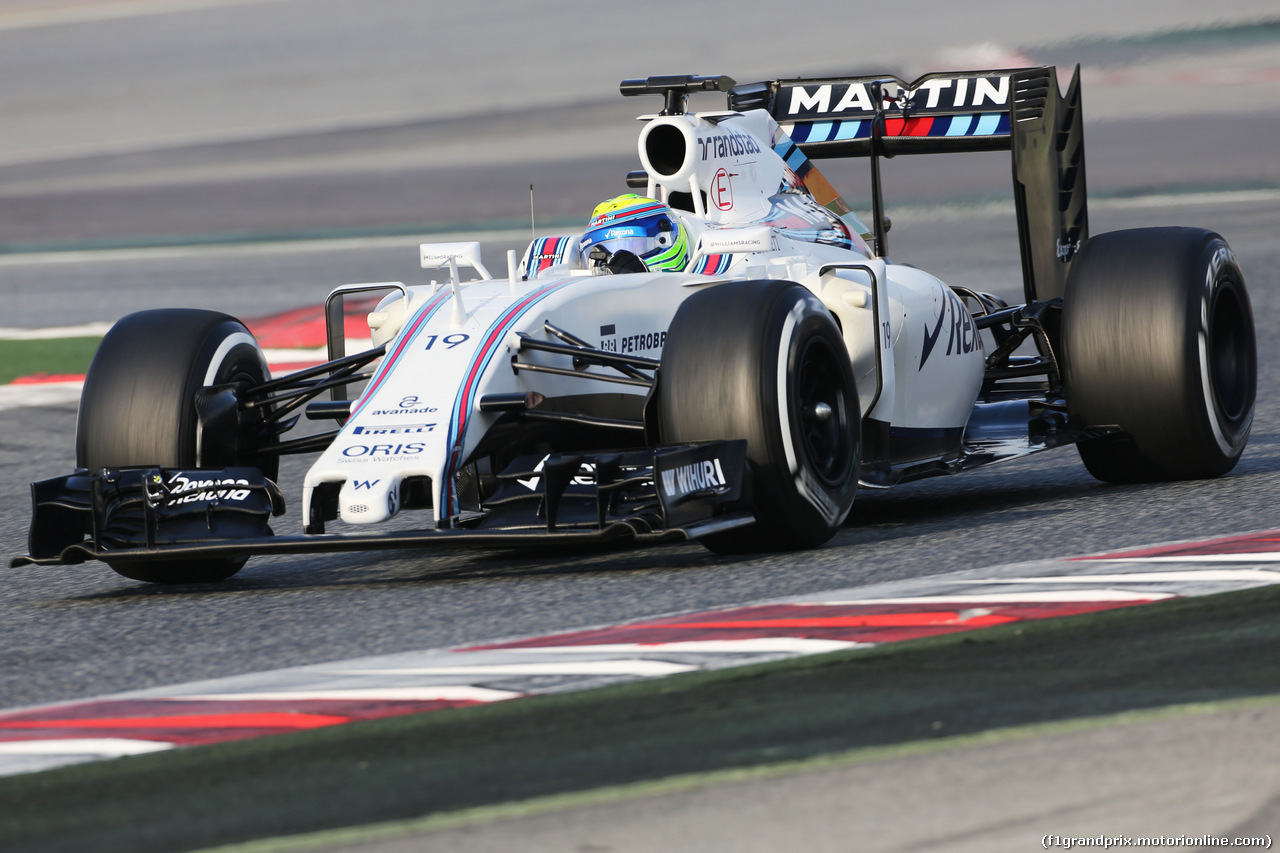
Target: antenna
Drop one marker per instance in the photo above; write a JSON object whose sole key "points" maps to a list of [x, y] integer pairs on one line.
{"points": [[533, 229]]}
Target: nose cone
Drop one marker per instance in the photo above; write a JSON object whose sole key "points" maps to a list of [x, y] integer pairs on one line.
{"points": [[369, 501]]}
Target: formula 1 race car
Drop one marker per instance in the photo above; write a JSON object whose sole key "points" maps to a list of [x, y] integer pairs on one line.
{"points": [[727, 355]]}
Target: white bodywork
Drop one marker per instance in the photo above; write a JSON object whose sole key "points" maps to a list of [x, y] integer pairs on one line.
{"points": [[761, 212]]}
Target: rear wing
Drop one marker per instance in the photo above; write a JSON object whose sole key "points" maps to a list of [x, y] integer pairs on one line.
{"points": [[1019, 110]]}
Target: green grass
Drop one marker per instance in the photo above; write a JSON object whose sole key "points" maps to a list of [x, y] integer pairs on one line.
{"points": [[1174, 653], [55, 355]]}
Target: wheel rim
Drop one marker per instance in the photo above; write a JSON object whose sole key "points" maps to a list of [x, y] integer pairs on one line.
{"points": [[1230, 351], [242, 367], [820, 398]]}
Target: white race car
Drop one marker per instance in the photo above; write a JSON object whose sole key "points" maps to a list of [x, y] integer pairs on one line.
{"points": [[726, 354]]}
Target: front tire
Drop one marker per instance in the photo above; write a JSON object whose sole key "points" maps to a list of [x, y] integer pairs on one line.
{"points": [[1159, 341], [138, 409], [764, 361]]}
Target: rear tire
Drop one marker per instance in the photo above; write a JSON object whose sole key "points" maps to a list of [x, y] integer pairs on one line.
{"points": [[764, 361], [1159, 341], [138, 409]]}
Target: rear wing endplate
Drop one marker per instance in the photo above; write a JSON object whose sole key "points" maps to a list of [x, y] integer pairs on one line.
{"points": [[1019, 110]]}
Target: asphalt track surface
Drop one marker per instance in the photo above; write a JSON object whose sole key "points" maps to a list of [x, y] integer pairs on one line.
{"points": [[338, 162]]}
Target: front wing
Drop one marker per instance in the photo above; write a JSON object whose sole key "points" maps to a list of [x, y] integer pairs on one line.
{"points": [[151, 515]]}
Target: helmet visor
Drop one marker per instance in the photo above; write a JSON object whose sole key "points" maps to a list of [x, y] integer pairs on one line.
{"points": [[642, 237]]}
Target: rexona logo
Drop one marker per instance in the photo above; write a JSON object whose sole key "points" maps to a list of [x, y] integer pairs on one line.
{"points": [[623, 231], [393, 430], [184, 490], [937, 94], [693, 477]]}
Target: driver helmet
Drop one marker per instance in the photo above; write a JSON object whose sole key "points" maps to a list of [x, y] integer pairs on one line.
{"points": [[643, 226]]}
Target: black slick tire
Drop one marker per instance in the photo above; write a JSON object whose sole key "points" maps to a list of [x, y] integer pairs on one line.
{"points": [[764, 361], [138, 408], [1159, 341]]}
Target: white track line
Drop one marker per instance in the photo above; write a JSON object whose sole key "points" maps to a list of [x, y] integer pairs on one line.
{"points": [[451, 693], [88, 330], [102, 746], [1263, 576], [646, 668], [754, 646], [31, 395], [44, 394], [83, 13], [281, 247], [1030, 597], [1261, 557]]}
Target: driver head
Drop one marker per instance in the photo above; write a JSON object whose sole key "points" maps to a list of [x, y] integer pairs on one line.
{"points": [[641, 226]]}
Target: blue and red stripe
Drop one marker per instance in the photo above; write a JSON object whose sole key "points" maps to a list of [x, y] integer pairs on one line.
{"points": [[712, 264], [547, 252], [461, 414], [550, 254], [632, 213], [392, 359], [978, 124]]}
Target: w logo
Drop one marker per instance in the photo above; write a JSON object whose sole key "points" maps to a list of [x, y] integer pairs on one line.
{"points": [[365, 484]]}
